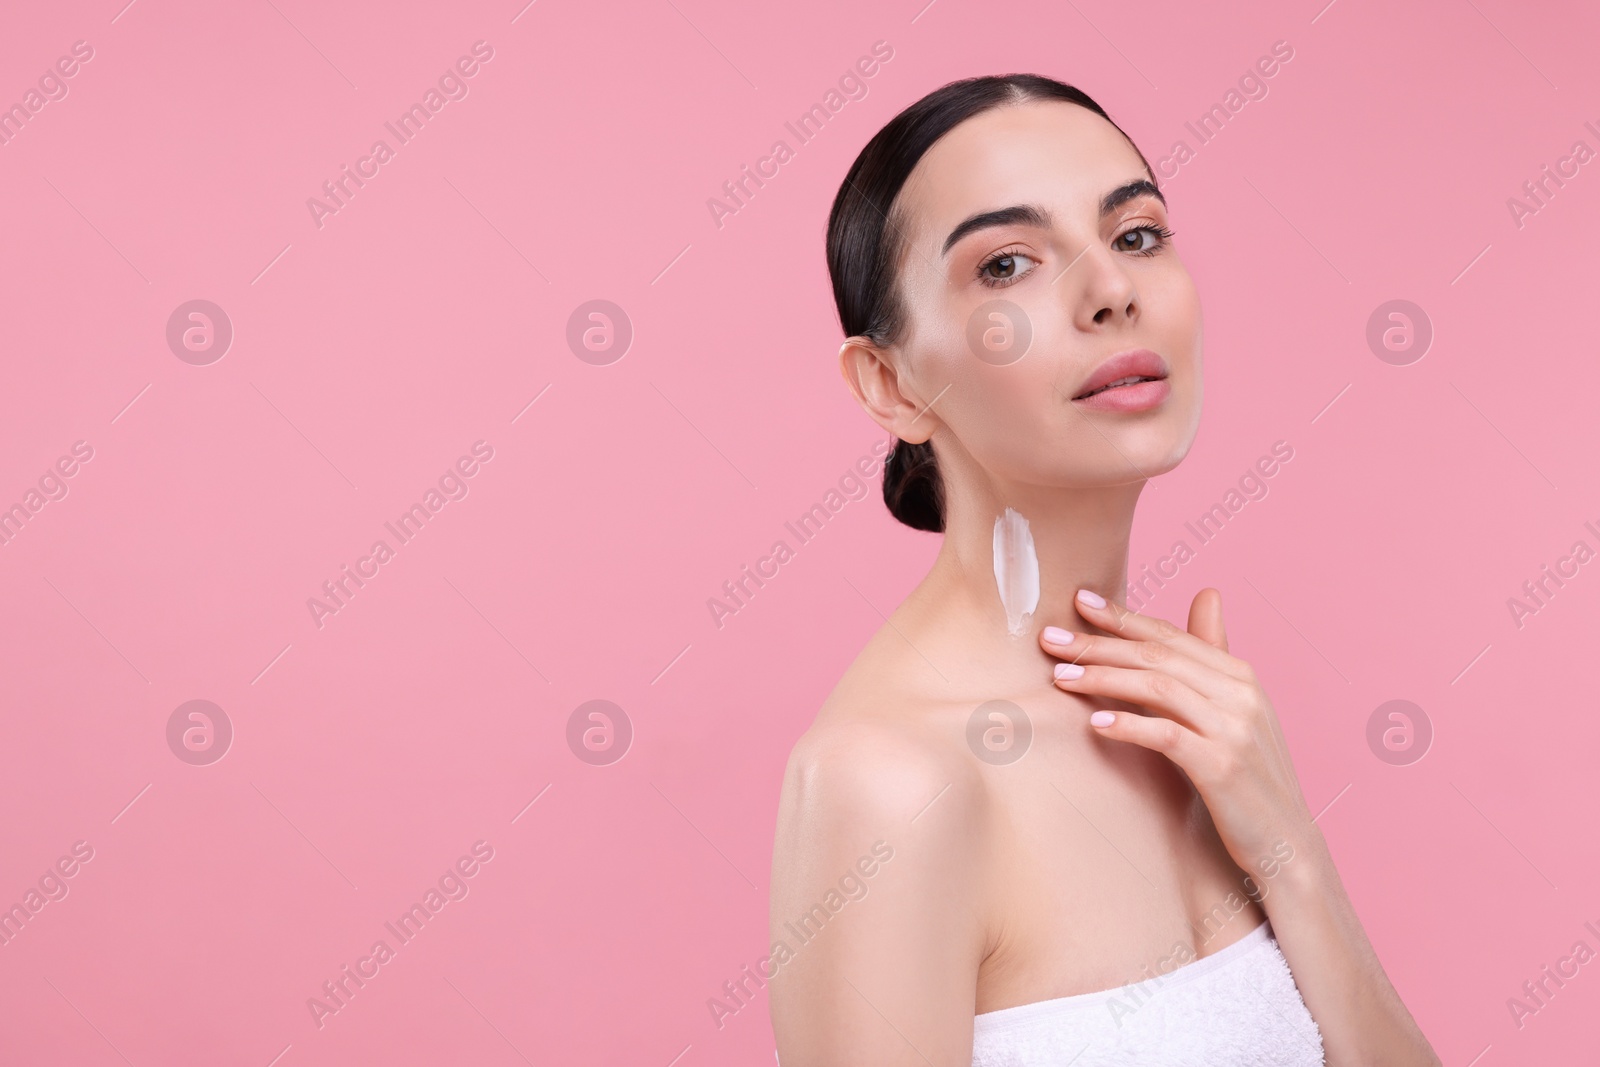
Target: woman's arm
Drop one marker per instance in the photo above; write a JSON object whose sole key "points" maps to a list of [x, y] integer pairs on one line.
{"points": [[1362, 1018], [875, 924], [1212, 718]]}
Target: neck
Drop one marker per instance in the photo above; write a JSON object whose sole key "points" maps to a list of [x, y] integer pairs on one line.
{"points": [[1080, 537]]}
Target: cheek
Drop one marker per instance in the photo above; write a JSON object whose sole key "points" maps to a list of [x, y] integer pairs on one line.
{"points": [[1174, 307], [1184, 332], [1010, 419], [999, 412], [1035, 390]]}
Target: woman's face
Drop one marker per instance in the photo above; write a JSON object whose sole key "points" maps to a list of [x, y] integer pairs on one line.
{"points": [[1010, 318]]}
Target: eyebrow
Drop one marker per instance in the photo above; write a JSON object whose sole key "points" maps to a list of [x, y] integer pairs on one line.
{"points": [[1031, 215]]}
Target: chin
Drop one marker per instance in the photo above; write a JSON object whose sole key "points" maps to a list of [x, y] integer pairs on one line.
{"points": [[1168, 460], [1145, 454]]}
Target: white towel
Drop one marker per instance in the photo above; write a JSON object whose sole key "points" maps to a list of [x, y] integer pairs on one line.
{"points": [[1238, 1007]]}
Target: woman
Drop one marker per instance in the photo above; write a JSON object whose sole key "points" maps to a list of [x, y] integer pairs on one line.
{"points": [[1030, 826]]}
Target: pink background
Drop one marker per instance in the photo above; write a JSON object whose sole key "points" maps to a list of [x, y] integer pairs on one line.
{"points": [[370, 353]]}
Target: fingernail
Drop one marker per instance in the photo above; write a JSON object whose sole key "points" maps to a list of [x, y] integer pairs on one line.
{"points": [[1102, 718], [1068, 670], [1057, 636], [1093, 599]]}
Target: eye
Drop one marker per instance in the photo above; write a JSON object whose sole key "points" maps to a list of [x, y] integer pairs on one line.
{"points": [[1004, 268], [1159, 236]]}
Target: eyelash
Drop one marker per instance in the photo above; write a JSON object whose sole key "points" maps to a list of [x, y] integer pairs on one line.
{"points": [[1162, 234]]}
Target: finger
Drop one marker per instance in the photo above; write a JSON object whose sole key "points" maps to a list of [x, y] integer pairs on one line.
{"points": [[1205, 619], [1124, 623], [1179, 744], [1148, 689], [1113, 651], [1205, 622]]}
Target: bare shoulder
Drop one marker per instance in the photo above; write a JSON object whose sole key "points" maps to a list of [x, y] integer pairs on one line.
{"points": [[877, 758], [877, 898], [855, 761], [879, 737], [885, 770]]}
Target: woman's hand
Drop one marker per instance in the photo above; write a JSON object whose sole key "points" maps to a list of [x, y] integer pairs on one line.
{"points": [[1210, 716]]}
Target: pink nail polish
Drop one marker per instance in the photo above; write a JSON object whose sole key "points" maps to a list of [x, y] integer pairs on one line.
{"points": [[1091, 598], [1068, 671], [1102, 718], [1057, 636]]}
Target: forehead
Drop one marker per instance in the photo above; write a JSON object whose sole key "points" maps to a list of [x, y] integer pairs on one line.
{"points": [[1052, 153]]}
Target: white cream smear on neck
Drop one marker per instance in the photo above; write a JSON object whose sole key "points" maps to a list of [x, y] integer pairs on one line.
{"points": [[1016, 570]]}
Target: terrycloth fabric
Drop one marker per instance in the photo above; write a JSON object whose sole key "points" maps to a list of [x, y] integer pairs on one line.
{"points": [[1238, 1007]]}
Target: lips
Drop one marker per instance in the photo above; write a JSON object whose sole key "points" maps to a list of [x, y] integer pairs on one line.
{"points": [[1123, 370]]}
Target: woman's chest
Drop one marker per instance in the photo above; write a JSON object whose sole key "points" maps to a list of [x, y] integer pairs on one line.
{"points": [[1105, 867]]}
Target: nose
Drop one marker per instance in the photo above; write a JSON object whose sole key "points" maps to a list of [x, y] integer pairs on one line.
{"points": [[1101, 290]]}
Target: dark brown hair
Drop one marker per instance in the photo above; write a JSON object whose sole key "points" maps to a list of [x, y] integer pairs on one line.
{"points": [[865, 247]]}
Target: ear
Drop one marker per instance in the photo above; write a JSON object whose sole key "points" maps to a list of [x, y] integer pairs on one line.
{"points": [[883, 394]]}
